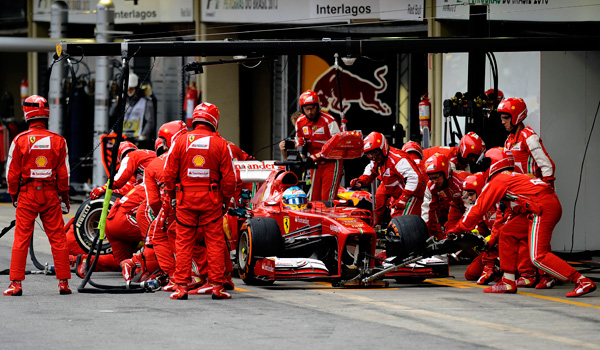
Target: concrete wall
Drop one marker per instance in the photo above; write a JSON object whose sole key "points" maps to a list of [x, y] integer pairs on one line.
{"points": [[570, 96]]}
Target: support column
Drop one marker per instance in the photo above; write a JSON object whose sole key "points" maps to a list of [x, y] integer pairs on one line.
{"points": [[58, 29], [105, 19]]}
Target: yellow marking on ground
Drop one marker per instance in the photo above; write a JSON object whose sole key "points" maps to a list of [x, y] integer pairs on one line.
{"points": [[447, 283], [69, 215], [6, 204], [564, 301], [559, 300], [237, 289]]}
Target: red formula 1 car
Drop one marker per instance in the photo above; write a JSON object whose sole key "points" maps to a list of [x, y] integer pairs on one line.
{"points": [[325, 241]]}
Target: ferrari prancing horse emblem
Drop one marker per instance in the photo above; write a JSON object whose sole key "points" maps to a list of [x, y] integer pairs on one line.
{"points": [[286, 224]]}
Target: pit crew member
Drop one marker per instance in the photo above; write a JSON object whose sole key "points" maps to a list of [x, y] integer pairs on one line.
{"points": [[37, 173], [401, 178], [202, 162], [536, 199], [445, 185], [313, 129]]}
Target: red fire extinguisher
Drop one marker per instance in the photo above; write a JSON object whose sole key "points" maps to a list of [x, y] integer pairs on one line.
{"points": [[191, 100], [425, 119], [24, 90]]}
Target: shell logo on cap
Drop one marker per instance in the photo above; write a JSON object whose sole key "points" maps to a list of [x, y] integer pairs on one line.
{"points": [[41, 161], [198, 161]]}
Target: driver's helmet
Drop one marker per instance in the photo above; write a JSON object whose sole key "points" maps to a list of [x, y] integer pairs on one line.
{"points": [[294, 198]]}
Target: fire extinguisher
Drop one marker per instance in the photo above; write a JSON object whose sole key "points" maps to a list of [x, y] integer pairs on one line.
{"points": [[24, 90], [425, 119], [191, 100]]}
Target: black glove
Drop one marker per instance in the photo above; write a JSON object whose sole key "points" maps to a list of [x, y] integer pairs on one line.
{"points": [[14, 198]]}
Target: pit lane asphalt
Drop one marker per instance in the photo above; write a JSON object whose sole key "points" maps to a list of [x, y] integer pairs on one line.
{"points": [[448, 313]]}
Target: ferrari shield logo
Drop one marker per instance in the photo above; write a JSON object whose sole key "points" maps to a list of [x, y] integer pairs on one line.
{"points": [[191, 138], [286, 224], [32, 139], [58, 49]]}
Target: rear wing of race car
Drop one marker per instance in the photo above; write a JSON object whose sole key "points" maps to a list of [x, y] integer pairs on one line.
{"points": [[255, 170]]}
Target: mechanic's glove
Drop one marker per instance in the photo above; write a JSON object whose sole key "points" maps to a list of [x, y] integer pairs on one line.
{"points": [[14, 198], [97, 192], [355, 183], [315, 157], [549, 180], [65, 205], [486, 242], [301, 141]]}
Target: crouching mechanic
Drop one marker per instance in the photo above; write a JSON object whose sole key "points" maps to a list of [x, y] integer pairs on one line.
{"points": [[203, 164], [37, 173], [536, 199], [401, 178], [444, 185], [484, 267]]}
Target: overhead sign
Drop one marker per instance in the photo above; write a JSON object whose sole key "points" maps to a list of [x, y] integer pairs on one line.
{"points": [[126, 11], [309, 12], [524, 10]]}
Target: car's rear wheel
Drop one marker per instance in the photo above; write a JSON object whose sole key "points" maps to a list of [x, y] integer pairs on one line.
{"points": [[411, 236], [261, 238], [85, 224]]}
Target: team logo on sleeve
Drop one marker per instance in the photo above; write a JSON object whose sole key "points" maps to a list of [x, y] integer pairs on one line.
{"points": [[41, 161], [198, 161], [32, 139], [191, 138]]}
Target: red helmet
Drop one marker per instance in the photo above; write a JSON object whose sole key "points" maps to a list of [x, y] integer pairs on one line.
{"points": [[376, 140], [413, 147], [516, 107], [308, 98], [474, 182], [160, 146], [437, 163], [171, 130], [471, 143], [501, 159], [124, 148], [35, 107], [207, 113], [499, 97]]}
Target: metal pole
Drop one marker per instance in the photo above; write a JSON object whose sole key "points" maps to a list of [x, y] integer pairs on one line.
{"points": [[58, 29], [105, 19]]}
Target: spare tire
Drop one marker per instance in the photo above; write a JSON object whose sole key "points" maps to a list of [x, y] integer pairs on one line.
{"points": [[85, 223], [409, 234]]}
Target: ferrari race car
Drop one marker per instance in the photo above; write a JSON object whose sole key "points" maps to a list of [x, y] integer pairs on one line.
{"points": [[325, 241]]}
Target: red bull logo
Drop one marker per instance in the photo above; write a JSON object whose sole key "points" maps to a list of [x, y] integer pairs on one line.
{"points": [[355, 90]]}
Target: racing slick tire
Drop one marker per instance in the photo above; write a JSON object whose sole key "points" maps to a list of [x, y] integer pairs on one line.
{"points": [[260, 238], [410, 233], [85, 224]]}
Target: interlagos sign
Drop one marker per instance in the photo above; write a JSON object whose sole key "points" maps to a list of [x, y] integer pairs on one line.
{"points": [[313, 11]]}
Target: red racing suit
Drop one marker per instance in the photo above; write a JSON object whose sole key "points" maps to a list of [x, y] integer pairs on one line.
{"points": [[202, 162], [326, 178], [37, 171], [133, 164], [432, 209], [402, 179], [122, 229], [538, 201], [489, 256], [530, 155]]}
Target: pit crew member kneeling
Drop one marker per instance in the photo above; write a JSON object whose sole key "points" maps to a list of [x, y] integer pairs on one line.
{"points": [[538, 200]]}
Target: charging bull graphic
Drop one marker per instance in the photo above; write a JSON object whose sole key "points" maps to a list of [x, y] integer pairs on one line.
{"points": [[354, 90]]}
